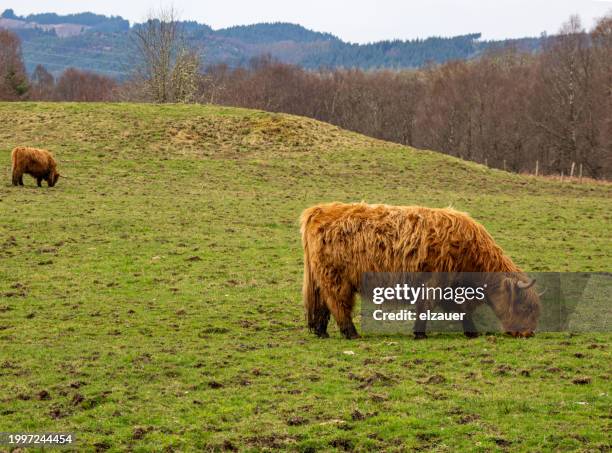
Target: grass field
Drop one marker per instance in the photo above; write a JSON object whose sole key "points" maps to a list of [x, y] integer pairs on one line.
{"points": [[152, 301]]}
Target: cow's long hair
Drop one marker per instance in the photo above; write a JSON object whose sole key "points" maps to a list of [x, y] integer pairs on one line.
{"points": [[343, 241], [36, 162]]}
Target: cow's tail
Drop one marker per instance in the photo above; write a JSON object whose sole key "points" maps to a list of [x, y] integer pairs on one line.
{"points": [[13, 160], [317, 313], [15, 173], [313, 303]]}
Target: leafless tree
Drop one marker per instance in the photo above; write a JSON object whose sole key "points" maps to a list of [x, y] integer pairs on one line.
{"points": [[168, 69], [184, 77], [42, 84], [82, 86], [602, 103], [13, 77], [559, 104]]}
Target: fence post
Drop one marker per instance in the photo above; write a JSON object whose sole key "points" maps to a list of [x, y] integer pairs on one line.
{"points": [[580, 177], [572, 170], [486, 162], [561, 175], [537, 167], [504, 164]]}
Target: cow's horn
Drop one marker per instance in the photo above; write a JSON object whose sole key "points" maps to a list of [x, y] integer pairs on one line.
{"points": [[543, 292], [522, 285]]}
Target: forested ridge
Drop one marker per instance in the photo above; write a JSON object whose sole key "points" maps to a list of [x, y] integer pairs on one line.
{"points": [[103, 45]]}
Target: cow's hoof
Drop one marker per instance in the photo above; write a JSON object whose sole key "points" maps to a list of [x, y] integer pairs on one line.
{"points": [[323, 335], [525, 334], [471, 334], [420, 336], [349, 332], [351, 335]]}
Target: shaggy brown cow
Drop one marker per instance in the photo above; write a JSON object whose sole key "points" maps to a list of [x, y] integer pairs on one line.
{"points": [[39, 163], [343, 241]]}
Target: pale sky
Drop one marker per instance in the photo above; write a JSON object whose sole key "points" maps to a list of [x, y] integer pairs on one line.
{"points": [[355, 20]]}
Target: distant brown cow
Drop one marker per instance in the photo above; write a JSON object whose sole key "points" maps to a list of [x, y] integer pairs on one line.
{"points": [[343, 241], [39, 163]]}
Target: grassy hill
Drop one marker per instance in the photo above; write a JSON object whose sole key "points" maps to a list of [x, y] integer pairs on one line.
{"points": [[152, 300]]}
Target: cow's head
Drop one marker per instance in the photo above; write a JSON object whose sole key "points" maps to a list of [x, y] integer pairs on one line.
{"points": [[516, 303], [52, 178]]}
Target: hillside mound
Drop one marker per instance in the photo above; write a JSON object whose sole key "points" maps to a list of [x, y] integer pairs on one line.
{"points": [[167, 131]]}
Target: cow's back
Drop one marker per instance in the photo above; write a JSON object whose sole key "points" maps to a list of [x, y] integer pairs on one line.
{"points": [[37, 162], [359, 238]]}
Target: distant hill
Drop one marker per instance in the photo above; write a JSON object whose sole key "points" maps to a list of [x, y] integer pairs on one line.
{"points": [[99, 43]]}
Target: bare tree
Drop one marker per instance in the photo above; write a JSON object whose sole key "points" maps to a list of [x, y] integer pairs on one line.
{"points": [[602, 102], [83, 86], [560, 101], [13, 78], [184, 78], [168, 69], [43, 84]]}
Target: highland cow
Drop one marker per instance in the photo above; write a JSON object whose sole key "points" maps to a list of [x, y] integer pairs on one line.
{"points": [[39, 163], [343, 241]]}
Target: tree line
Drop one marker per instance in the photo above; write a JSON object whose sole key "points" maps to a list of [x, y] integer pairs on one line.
{"points": [[71, 85], [99, 21], [509, 108]]}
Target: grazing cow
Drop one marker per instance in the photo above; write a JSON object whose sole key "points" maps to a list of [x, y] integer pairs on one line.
{"points": [[343, 241], [39, 163]]}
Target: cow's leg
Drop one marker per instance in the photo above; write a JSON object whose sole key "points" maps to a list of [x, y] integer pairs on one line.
{"points": [[21, 180], [320, 317], [340, 303], [321, 321], [38, 182], [345, 323], [469, 329], [16, 177], [420, 325]]}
